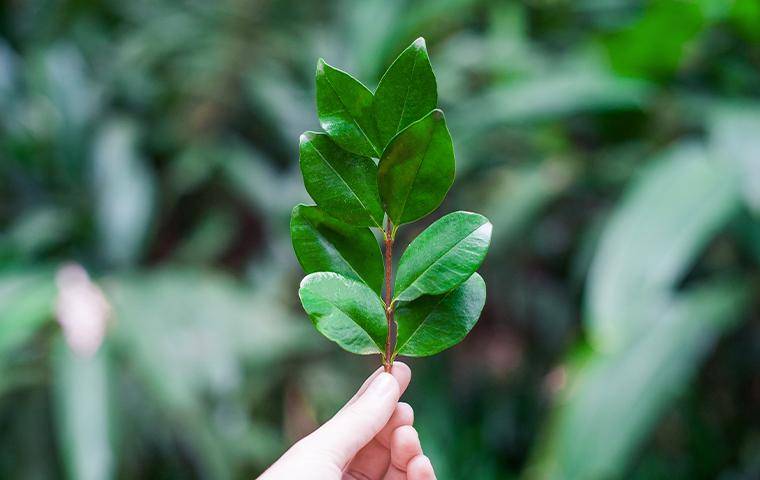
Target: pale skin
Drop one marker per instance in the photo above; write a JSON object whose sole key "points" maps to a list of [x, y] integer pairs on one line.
{"points": [[370, 438]]}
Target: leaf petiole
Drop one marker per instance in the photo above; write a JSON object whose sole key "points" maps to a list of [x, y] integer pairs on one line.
{"points": [[388, 237]]}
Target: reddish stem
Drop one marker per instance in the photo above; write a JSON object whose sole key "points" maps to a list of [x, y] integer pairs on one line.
{"points": [[388, 240]]}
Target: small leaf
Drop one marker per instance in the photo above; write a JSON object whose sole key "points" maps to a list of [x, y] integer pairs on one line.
{"points": [[432, 324], [344, 108], [417, 169], [406, 93], [343, 184], [324, 244], [443, 256], [345, 311]]}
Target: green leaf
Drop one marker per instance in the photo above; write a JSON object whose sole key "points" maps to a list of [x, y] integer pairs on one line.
{"points": [[733, 140], [27, 298], [343, 184], [84, 413], [613, 401], [124, 189], [324, 244], [432, 324], [443, 256], [417, 169], [344, 108], [652, 240], [345, 311], [406, 93]]}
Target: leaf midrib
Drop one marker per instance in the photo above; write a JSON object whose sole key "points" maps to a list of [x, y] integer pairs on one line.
{"points": [[351, 115], [341, 256], [369, 213], [406, 95], [416, 174], [443, 254], [430, 313], [380, 347]]}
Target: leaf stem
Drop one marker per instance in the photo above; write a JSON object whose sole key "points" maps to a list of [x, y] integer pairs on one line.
{"points": [[388, 236]]}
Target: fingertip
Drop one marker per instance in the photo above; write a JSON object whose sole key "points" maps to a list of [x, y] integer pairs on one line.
{"points": [[405, 445], [402, 373], [420, 468], [402, 415], [405, 413], [405, 439], [383, 390]]}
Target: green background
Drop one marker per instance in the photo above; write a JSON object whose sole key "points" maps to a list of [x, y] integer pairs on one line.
{"points": [[614, 144]]}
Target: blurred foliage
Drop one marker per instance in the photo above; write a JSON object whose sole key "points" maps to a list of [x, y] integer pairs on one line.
{"points": [[613, 143]]}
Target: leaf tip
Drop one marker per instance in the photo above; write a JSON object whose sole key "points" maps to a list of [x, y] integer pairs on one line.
{"points": [[437, 114], [419, 43], [306, 137], [320, 66]]}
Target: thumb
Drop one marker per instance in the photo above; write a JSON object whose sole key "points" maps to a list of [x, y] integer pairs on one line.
{"points": [[354, 426]]}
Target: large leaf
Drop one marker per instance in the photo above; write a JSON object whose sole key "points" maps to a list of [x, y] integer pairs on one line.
{"points": [[124, 190], [344, 108], [443, 256], [612, 401], [160, 317], [651, 241], [417, 169], [345, 311], [83, 413], [406, 93], [343, 184], [26, 304], [432, 324], [734, 140], [324, 244]]}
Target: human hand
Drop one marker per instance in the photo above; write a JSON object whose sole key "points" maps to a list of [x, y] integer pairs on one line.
{"points": [[370, 438]]}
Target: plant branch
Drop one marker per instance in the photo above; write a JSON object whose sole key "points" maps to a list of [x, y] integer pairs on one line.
{"points": [[388, 237]]}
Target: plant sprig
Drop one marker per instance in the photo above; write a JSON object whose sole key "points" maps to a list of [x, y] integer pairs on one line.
{"points": [[386, 160]]}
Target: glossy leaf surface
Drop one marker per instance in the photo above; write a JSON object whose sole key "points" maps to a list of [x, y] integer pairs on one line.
{"points": [[432, 324], [343, 184], [324, 244], [443, 256], [417, 169], [344, 108], [406, 93], [345, 311]]}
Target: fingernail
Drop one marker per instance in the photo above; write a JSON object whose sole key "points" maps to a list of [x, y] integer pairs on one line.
{"points": [[381, 385]]}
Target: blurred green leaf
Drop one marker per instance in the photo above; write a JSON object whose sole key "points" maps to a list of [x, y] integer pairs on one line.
{"points": [[323, 244], [84, 413], [734, 140], [514, 197], [613, 400], [657, 43], [344, 185], [345, 311], [37, 231], [209, 239], [443, 256], [189, 334], [406, 93], [417, 169], [651, 241], [251, 176], [432, 324], [746, 14], [123, 187], [547, 98], [27, 298]]}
